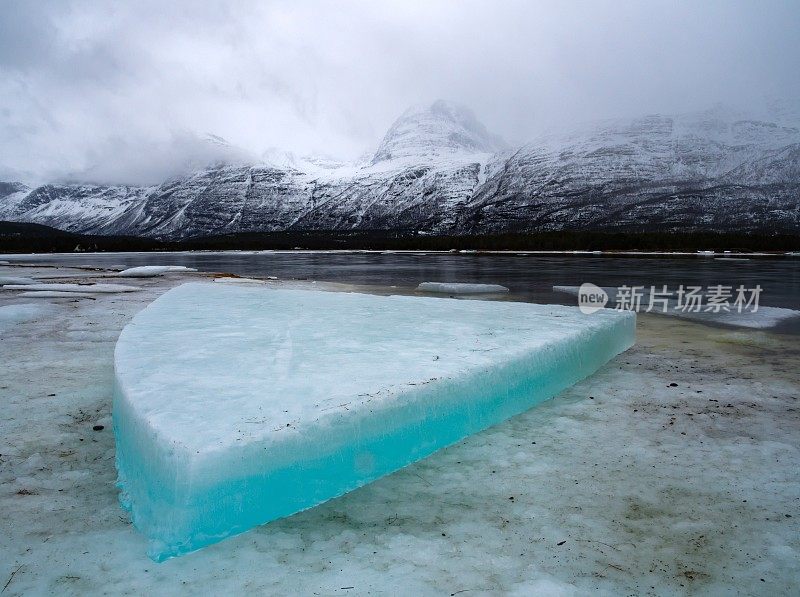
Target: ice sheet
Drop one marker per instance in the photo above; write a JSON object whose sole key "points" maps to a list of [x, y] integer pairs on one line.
{"points": [[68, 287], [15, 280], [40, 294], [232, 280], [19, 313], [238, 405], [461, 288]]}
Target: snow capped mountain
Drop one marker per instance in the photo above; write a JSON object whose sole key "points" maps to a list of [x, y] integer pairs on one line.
{"points": [[703, 171], [12, 194], [438, 169], [430, 132], [74, 207]]}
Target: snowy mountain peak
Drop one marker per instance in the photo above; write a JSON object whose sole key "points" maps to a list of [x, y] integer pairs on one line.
{"points": [[439, 129]]}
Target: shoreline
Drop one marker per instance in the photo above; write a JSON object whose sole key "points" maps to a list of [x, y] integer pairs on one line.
{"points": [[598, 253]]}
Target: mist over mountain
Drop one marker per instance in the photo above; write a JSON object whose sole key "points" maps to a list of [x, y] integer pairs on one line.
{"points": [[437, 130]]}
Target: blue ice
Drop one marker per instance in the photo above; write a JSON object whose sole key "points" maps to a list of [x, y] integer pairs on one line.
{"points": [[238, 405]]}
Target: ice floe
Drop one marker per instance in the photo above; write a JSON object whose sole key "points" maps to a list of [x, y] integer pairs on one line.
{"points": [[237, 405], [461, 288], [68, 287], [152, 271], [236, 280], [4, 280]]}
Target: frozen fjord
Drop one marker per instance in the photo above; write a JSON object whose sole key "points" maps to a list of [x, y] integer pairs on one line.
{"points": [[236, 405]]}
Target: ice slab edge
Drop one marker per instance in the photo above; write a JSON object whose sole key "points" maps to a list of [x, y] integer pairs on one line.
{"points": [[183, 496]]}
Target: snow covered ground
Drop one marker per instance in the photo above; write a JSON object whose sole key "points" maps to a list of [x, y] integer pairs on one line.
{"points": [[673, 470]]}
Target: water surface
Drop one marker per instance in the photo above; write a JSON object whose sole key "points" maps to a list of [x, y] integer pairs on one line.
{"points": [[528, 277]]}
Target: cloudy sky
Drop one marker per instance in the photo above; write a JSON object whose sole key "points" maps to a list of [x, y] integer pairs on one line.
{"points": [[121, 91]]}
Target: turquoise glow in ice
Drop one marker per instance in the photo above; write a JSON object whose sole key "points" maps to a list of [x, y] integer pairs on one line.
{"points": [[236, 405]]}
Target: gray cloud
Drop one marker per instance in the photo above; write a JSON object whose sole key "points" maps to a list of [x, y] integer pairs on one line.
{"points": [[125, 91]]}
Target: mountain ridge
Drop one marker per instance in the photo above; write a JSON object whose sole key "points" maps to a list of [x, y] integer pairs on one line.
{"points": [[438, 169]]}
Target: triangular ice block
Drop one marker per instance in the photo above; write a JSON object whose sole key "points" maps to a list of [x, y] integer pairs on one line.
{"points": [[237, 405]]}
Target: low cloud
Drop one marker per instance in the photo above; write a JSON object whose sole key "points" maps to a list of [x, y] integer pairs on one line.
{"points": [[126, 91]]}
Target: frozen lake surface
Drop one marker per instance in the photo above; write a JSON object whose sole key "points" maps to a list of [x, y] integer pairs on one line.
{"points": [[527, 276], [675, 469]]}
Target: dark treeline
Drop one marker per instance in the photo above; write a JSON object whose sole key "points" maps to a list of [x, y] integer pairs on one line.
{"points": [[34, 238], [533, 241], [16, 237]]}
